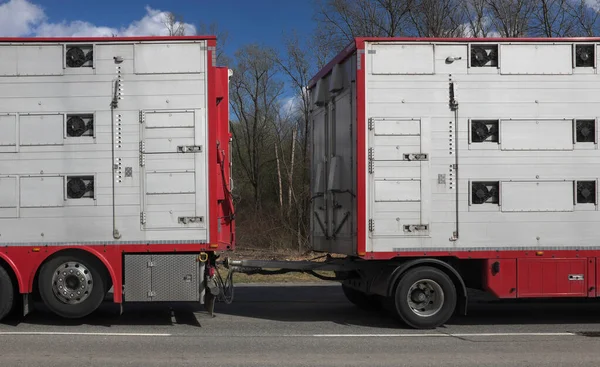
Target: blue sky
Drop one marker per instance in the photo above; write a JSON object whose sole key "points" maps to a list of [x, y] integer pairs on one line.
{"points": [[262, 21]]}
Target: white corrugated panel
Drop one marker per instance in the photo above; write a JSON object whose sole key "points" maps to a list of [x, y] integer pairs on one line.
{"points": [[8, 130], [178, 58], [401, 59], [536, 59], [536, 134], [398, 190], [537, 196], [41, 129], [41, 192], [8, 192], [389, 126], [170, 183]]}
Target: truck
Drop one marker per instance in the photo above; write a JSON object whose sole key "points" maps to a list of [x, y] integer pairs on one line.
{"points": [[114, 170], [437, 166]]}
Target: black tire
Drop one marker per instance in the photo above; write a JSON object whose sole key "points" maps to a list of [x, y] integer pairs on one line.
{"points": [[445, 304], [7, 293], [361, 300], [95, 276]]}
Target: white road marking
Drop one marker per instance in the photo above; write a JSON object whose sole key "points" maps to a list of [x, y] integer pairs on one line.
{"points": [[78, 333], [512, 334], [462, 335]]}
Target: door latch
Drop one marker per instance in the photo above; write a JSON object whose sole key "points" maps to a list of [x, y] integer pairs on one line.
{"points": [[189, 149], [415, 227], [186, 220], [415, 157]]}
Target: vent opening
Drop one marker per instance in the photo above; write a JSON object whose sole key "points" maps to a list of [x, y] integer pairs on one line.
{"points": [[78, 56], [484, 131], [586, 192], [584, 56], [585, 131], [79, 187], [484, 56], [485, 192], [80, 125]]}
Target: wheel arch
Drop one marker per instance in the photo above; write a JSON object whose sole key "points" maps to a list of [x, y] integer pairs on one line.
{"points": [[87, 251], [13, 272], [394, 274]]}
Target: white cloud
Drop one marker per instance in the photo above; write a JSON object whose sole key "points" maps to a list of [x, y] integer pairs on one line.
{"points": [[19, 18], [24, 18], [153, 24], [76, 28]]}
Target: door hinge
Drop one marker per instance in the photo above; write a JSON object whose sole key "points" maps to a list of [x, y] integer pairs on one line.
{"points": [[143, 218], [142, 117], [371, 158], [151, 264], [142, 159], [371, 124], [371, 225], [151, 294], [189, 149], [142, 147]]}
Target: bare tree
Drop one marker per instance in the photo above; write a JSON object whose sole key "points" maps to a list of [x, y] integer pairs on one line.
{"points": [[438, 18], [298, 65], [586, 15], [511, 17], [174, 24], [339, 21], [551, 18], [255, 92], [476, 15]]}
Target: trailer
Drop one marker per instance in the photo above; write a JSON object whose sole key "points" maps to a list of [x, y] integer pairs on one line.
{"points": [[114, 171], [440, 165], [437, 165]]}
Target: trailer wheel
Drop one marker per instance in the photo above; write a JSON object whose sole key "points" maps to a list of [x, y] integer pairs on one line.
{"points": [[7, 293], [425, 298], [361, 300], [72, 286]]}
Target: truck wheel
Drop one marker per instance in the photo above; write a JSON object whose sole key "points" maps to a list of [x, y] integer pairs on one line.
{"points": [[361, 300], [425, 298], [7, 293], [72, 286]]}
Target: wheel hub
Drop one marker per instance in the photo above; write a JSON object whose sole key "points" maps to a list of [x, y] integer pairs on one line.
{"points": [[72, 283], [425, 297]]}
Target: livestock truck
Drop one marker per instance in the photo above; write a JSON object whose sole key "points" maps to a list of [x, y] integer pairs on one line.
{"points": [[437, 165]]}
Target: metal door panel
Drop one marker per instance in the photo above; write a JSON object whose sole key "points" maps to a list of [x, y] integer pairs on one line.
{"points": [[176, 277], [552, 277], [138, 278], [170, 183]]}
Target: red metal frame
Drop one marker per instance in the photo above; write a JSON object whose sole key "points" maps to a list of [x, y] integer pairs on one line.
{"points": [[106, 39], [26, 260]]}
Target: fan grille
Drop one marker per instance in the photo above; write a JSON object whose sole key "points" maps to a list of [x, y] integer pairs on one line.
{"points": [[485, 193]]}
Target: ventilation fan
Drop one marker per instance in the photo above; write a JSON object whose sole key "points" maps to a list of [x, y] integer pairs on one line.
{"points": [[484, 131], [586, 192], [80, 125], [77, 56], [484, 192], [79, 187], [584, 55], [484, 56], [585, 131]]}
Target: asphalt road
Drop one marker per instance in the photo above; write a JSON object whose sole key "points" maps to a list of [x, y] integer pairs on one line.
{"points": [[308, 325]]}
